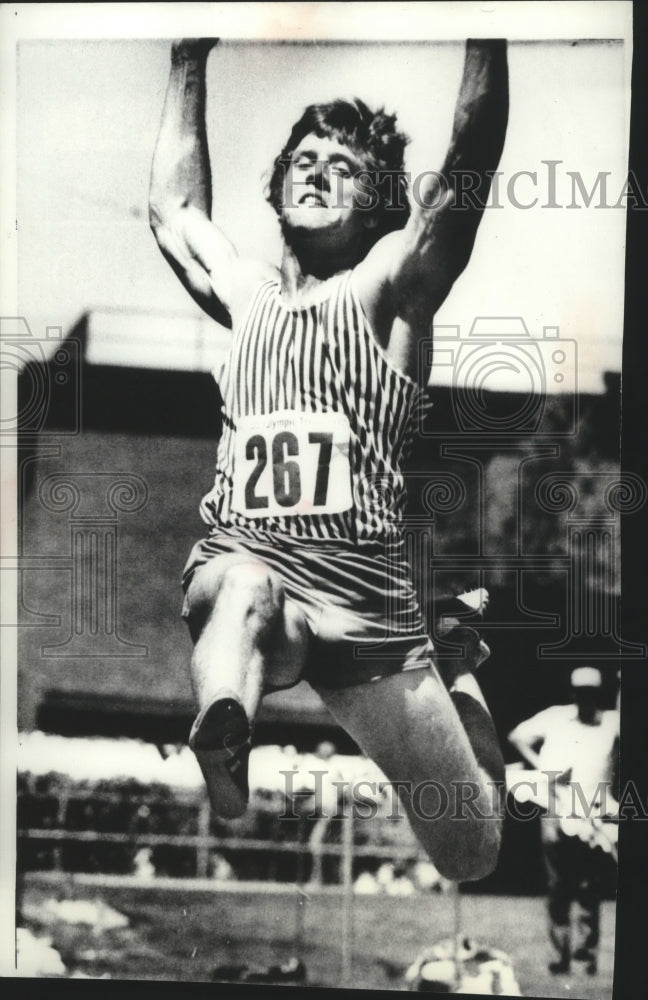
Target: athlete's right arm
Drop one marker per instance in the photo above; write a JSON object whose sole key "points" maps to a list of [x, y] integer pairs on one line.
{"points": [[180, 192]]}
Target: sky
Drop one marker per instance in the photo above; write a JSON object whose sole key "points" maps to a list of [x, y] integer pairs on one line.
{"points": [[88, 114]]}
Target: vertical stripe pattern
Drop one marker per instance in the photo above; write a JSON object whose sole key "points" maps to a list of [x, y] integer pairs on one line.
{"points": [[316, 358]]}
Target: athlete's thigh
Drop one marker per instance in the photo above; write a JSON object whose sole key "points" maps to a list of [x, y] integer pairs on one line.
{"points": [[408, 725], [286, 652], [204, 590], [287, 657]]}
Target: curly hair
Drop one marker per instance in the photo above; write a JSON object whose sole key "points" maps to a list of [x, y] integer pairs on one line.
{"points": [[370, 135]]}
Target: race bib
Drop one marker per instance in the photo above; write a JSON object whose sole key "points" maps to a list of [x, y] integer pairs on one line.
{"points": [[291, 462]]}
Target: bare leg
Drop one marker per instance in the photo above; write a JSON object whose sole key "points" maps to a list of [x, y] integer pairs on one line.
{"points": [[409, 726], [457, 670], [244, 636]]}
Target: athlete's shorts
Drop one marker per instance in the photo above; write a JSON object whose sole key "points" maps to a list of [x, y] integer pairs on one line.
{"points": [[359, 602]]}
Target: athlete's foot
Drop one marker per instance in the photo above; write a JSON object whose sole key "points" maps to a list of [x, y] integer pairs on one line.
{"points": [[477, 600], [475, 651], [220, 739]]}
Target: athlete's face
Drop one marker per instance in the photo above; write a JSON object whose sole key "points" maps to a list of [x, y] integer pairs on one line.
{"points": [[322, 192]]}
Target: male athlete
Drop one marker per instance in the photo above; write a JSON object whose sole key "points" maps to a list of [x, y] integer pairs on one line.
{"points": [[303, 573], [575, 745]]}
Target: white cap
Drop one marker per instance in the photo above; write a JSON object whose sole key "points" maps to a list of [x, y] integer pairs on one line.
{"points": [[586, 677]]}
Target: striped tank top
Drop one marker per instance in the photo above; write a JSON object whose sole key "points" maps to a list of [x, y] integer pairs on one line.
{"points": [[317, 422]]}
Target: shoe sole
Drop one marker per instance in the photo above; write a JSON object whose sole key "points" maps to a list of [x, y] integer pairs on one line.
{"points": [[220, 739]]}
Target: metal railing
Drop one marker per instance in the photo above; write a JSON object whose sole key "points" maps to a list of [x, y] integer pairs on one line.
{"points": [[203, 842]]}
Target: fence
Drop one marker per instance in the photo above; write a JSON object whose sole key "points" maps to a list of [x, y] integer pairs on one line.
{"points": [[58, 815]]}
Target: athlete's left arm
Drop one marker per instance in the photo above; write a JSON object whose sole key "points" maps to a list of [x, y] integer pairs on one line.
{"points": [[440, 234], [413, 270]]}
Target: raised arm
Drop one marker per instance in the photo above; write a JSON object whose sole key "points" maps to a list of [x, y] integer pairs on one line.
{"points": [[440, 234], [180, 192], [409, 273], [478, 134]]}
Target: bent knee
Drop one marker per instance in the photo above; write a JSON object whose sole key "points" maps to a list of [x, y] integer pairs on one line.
{"points": [[246, 588], [253, 581]]}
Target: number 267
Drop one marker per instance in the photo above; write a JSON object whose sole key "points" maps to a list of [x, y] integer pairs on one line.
{"points": [[286, 475]]}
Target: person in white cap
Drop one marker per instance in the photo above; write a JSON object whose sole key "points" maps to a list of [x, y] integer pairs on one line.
{"points": [[575, 747]]}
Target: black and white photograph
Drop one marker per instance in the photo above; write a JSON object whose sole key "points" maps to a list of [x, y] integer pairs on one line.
{"points": [[313, 327]]}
